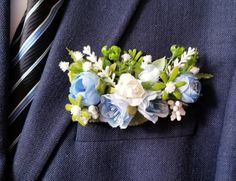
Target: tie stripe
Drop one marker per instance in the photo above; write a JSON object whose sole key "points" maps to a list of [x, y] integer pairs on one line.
{"points": [[37, 33], [20, 107], [14, 143], [30, 69], [35, 38], [32, 10]]}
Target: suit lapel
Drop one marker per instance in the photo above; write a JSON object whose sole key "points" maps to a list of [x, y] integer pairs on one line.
{"points": [[85, 22]]}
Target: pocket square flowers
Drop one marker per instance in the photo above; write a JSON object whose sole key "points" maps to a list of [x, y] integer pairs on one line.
{"points": [[125, 88]]}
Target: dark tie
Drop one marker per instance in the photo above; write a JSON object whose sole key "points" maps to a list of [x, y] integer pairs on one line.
{"points": [[29, 51]]}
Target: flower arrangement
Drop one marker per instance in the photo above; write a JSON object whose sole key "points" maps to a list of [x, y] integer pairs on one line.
{"points": [[125, 88]]}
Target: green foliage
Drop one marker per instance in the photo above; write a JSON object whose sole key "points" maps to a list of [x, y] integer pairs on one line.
{"points": [[190, 63], [72, 101], [136, 56], [78, 100], [72, 54], [177, 51], [74, 69], [132, 66], [160, 63], [137, 69], [158, 86], [164, 96], [177, 94], [180, 83], [204, 76], [101, 86], [68, 107], [173, 74], [113, 67], [164, 77], [112, 53], [147, 85]]}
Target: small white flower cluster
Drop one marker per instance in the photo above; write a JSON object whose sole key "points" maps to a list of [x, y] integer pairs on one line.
{"points": [[93, 110], [75, 110], [87, 66], [78, 55], [185, 57], [195, 70], [125, 57], [147, 59], [64, 66], [177, 110], [107, 73], [90, 55], [170, 87], [98, 65]]}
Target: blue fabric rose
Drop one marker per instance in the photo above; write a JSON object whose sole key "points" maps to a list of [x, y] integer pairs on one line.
{"points": [[85, 85], [191, 90], [114, 111], [152, 107]]}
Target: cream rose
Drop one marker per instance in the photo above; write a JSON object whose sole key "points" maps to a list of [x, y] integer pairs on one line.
{"points": [[130, 89]]}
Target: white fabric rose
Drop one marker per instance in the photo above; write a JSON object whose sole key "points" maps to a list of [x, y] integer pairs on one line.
{"points": [[130, 89], [150, 73]]}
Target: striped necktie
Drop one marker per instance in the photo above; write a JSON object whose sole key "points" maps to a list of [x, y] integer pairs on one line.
{"points": [[29, 50]]}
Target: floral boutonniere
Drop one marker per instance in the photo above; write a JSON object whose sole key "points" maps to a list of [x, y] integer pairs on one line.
{"points": [[125, 88]]}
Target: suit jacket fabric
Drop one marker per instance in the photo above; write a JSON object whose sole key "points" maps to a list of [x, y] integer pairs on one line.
{"points": [[201, 147], [4, 42]]}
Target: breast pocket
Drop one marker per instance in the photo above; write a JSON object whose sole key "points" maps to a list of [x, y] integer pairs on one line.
{"points": [[164, 128]]}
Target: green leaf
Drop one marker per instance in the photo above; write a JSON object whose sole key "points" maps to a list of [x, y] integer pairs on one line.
{"points": [[76, 67], [72, 76], [101, 86], [138, 55], [106, 63], [78, 100], [85, 113], [173, 74], [164, 96], [158, 86], [105, 51], [147, 85], [114, 53], [204, 76], [113, 67], [74, 118], [177, 94], [81, 122], [111, 90], [72, 101], [140, 60], [180, 83], [137, 70], [160, 63], [176, 50], [68, 107], [163, 76], [132, 52]]}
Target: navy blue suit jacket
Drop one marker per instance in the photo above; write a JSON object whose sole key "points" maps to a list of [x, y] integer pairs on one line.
{"points": [[201, 147]]}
